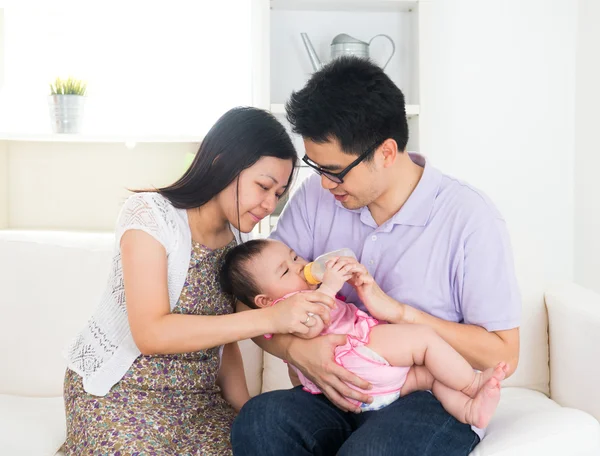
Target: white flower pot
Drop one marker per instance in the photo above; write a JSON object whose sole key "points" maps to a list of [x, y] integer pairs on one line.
{"points": [[66, 113]]}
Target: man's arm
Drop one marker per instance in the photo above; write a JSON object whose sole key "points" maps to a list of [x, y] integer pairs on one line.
{"points": [[488, 298], [481, 348]]}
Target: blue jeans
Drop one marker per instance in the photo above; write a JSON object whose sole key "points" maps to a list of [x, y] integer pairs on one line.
{"points": [[294, 422]]}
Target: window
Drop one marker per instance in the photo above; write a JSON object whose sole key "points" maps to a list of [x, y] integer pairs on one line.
{"points": [[150, 69]]}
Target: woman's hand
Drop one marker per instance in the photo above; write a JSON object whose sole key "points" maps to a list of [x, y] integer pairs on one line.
{"points": [[375, 300], [291, 315], [315, 328], [315, 359]]}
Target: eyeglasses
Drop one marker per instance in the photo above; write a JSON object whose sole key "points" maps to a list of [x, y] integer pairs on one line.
{"points": [[338, 178]]}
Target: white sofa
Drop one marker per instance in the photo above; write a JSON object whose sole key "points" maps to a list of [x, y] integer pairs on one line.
{"points": [[51, 281]]}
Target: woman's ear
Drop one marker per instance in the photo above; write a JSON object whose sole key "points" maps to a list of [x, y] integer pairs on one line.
{"points": [[262, 300]]}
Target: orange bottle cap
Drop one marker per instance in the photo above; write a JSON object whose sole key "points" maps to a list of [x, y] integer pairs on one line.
{"points": [[309, 277]]}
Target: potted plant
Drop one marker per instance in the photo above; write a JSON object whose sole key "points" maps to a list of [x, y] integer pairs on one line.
{"points": [[66, 102]]}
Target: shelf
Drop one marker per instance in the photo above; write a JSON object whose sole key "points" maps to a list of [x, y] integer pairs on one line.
{"points": [[99, 138], [345, 5], [411, 110]]}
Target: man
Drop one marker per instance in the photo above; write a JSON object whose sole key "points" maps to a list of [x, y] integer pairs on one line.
{"points": [[437, 247]]}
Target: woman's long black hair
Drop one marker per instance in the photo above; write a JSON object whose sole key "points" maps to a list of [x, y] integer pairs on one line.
{"points": [[235, 142]]}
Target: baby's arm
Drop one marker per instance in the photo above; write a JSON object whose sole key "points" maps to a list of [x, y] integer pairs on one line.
{"points": [[336, 274]]}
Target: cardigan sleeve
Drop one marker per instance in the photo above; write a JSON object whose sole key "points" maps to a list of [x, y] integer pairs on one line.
{"points": [[147, 212]]}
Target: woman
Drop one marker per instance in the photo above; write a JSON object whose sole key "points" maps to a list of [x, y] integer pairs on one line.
{"points": [[157, 369]]}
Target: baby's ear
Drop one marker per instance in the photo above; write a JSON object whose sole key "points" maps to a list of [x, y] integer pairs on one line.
{"points": [[262, 300]]}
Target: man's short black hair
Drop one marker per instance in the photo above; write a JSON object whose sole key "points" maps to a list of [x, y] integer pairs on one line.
{"points": [[352, 100]]}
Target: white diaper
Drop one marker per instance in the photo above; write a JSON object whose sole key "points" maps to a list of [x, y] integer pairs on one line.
{"points": [[379, 401]]}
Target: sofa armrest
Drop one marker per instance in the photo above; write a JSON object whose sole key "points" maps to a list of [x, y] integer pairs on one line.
{"points": [[574, 333]]}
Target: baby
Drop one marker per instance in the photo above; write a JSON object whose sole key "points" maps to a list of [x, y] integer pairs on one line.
{"points": [[395, 359]]}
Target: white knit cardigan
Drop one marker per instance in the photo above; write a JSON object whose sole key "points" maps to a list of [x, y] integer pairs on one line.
{"points": [[104, 350]]}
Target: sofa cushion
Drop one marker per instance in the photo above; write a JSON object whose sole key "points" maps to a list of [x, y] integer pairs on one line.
{"points": [[50, 283], [533, 371], [253, 365], [31, 426], [528, 423], [275, 374]]}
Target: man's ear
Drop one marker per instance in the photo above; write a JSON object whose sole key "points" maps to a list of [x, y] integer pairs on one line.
{"points": [[389, 151], [262, 300]]}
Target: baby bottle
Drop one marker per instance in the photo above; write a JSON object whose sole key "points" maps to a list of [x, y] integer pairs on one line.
{"points": [[313, 272]]}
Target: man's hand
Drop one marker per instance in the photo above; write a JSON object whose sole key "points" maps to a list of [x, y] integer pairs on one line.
{"points": [[373, 297], [316, 361]]}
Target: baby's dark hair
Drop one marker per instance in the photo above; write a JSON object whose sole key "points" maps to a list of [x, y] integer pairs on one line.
{"points": [[236, 278]]}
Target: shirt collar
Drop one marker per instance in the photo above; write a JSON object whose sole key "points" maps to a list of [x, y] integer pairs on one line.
{"points": [[417, 209]]}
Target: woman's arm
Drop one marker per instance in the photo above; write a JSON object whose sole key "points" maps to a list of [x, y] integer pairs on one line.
{"points": [[156, 330], [231, 378]]}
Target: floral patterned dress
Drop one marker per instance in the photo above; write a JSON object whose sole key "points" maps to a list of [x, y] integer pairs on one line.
{"points": [[165, 404]]}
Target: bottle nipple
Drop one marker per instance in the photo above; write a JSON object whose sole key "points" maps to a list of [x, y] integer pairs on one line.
{"points": [[308, 275]]}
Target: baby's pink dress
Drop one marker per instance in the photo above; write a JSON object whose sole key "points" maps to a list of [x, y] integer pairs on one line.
{"points": [[386, 380]]}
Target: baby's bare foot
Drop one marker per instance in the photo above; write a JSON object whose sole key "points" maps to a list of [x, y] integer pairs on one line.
{"points": [[480, 409], [481, 378]]}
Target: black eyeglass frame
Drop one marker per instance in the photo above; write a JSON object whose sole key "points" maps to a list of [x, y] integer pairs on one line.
{"points": [[338, 178]]}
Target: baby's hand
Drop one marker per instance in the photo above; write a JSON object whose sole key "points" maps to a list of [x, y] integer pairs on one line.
{"points": [[337, 272]]}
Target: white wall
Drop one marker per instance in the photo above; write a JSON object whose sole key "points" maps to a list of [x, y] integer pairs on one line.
{"points": [[497, 92], [497, 109], [3, 185], [587, 147], [151, 70], [80, 186]]}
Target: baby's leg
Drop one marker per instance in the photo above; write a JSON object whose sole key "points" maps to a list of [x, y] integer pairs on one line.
{"points": [[410, 345], [476, 412], [419, 378]]}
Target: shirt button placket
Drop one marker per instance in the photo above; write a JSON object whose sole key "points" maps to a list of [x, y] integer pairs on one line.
{"points": [[369, 253]]}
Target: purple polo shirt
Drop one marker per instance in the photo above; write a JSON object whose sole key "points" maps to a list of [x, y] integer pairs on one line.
{"points": [[446, 251]]}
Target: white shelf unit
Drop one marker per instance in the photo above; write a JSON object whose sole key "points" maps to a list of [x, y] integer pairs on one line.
{"points": [[287, 60], [283, 65], [98, 138]]}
